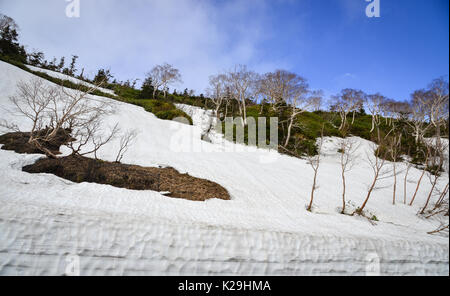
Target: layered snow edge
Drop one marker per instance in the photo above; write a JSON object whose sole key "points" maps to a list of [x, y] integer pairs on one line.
{"points": [[145, 247]]}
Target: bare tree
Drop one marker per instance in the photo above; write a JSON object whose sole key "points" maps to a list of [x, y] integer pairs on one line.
{"points": [[314, 162], [217, 91], [405, 181], [438, 104], [440, 213], [401, 111], [409, 165], [295, 96], [348, 146], [377, 164], [418, 120], [241, 81], [348, 101], [374, 105], [32, 100], [163, 76], [358, 105], [386, 111], [442, 196], [271, 87], [394, 142], [125, 141], [277, 86], [59, 110], [91, 134], [430, 110], [316, 100], [435, 167], [427, 154]]}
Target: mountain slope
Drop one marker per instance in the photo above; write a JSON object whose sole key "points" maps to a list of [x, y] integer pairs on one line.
{"points": [[264, 229]]}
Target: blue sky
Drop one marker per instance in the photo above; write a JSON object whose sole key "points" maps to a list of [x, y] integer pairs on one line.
{"points": [[330, 42]]}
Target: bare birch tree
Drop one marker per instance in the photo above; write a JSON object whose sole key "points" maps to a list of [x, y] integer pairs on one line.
{"points": [[32, 100], [427, 155], [348, 146], [314, 162], [296, 98], [374, 105], [163, 76], [242, 80], [316, 99], [394, 142], [348, 101], [272, 86], [438, 104], [435, 166], [55, 109], [277, 86], [418, 121], [409, 165], [217, 91], [377, 161]]}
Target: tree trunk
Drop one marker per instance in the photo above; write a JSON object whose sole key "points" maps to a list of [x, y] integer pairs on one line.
{"points": [[429, 195], [343, 121], [441, 197], [245, 112], [373, 124], [312, 191], [217, 112], [343, 193], [360, 210], [395, 183], [405, 183], [240, 113], [289, 130], [417, 187], [45, 150]]}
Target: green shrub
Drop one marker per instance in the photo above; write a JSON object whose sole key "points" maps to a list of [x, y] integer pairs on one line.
{"points": [[172, 114], [162, 110]]}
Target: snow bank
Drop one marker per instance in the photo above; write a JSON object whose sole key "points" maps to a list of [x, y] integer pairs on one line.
{"points": [[69, 78], [264, 229]]}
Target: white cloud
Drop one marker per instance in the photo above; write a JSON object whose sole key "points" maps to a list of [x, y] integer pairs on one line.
{"points": [[197, 36]]}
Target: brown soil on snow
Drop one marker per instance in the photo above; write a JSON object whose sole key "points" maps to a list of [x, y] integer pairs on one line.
{"points": [[18, 142], [81, 169]]}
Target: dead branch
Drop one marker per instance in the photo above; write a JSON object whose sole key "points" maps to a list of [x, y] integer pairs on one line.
{"points": [[126, 140]]}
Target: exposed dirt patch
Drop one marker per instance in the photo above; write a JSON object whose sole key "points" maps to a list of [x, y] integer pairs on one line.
{"points": [[81, 169], [18, 142]]}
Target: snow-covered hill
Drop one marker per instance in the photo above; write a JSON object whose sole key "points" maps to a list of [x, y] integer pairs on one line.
{"points": [[263, 230], [69, 78]]}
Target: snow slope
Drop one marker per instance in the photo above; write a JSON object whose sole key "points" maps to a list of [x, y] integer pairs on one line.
{"points": [[263, 230], [69, 78]]}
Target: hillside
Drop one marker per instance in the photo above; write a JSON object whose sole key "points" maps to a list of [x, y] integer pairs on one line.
{"points": [[263, 230]]}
